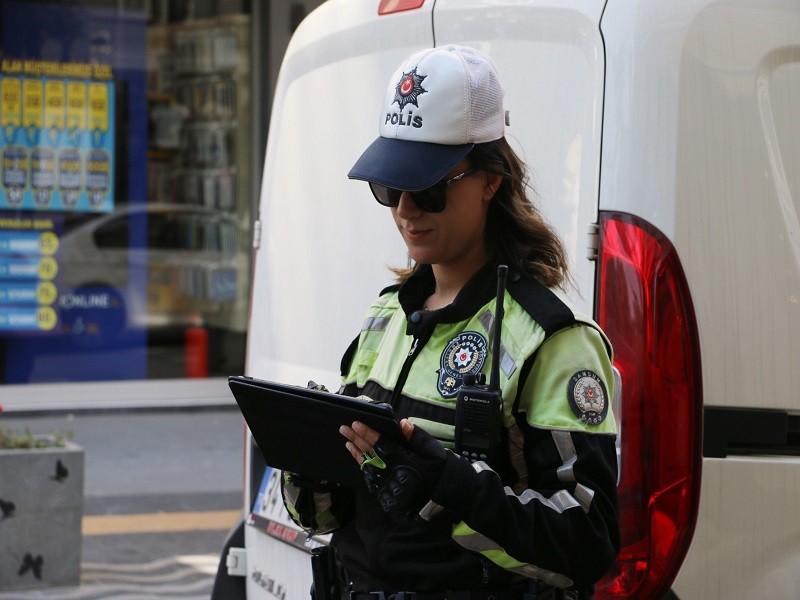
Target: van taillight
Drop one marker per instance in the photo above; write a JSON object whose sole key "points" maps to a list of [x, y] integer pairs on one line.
{"points": [[387, 7], [644, 306]]}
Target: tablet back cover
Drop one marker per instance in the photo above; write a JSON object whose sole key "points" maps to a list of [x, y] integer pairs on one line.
{"points": [[297, 429]]}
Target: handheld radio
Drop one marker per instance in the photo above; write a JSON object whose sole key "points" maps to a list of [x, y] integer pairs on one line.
{"points": [[479, 406]]}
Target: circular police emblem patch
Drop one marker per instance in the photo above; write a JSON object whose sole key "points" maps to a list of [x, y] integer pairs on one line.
{"points": [[587, 397], [464, 355], [408, 89]]}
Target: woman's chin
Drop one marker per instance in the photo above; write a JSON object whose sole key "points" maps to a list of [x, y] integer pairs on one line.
{"points": [[422, 256]]}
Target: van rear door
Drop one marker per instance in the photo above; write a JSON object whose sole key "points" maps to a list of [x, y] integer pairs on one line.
{"points": [[325, 243], [552, 64]]}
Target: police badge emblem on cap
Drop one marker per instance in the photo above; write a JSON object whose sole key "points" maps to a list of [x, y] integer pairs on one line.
{"points": [[409, 89], [464, 355], [587, 397]]}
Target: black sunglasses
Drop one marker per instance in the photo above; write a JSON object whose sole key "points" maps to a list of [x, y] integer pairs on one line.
{"points": [[430, 199]]}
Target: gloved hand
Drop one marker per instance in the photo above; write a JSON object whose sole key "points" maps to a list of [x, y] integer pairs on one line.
{"points": [[298, 497], [304, 483], [403, 477]]}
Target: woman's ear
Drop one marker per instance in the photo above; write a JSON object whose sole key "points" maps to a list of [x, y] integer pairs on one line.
{"points": [[493, 181]]}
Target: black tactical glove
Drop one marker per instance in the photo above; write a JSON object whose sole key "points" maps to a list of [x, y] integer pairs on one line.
{"points": [[403, 478], [298, 492]]}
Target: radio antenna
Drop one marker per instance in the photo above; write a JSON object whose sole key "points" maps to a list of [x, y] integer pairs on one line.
{"points": [[494, 377]]}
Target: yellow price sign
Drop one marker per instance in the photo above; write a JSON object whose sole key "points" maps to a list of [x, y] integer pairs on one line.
{"points": [[77, 116], [48, 243], [46, 318], [54, 92], [46, 293], [98, 107], [48, 268], [10, 102], [32, 103]]}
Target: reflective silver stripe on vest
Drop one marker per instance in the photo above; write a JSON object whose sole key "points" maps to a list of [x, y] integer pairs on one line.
{"points": [[560, 501], [480, 543], [430, 510], [479, 466], [566, 473], [566, 450], [507, 364], [584, 495], [375, 324]]}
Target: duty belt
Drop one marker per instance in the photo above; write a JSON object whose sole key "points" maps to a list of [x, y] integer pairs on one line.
{"points": [[543, 593], [452, 595]]}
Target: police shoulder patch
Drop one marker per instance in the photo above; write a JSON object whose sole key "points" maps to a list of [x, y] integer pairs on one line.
{"points": [[587, 397], [463, 355]]}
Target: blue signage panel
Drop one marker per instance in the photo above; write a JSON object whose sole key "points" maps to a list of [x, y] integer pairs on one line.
{"points": [[73, 144]]}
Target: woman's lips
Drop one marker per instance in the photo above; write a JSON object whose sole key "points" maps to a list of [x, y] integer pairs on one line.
{"points": [[414, 235]]}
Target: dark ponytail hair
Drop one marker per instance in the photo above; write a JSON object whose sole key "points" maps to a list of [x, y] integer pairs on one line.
{"points": [[516, 232]]}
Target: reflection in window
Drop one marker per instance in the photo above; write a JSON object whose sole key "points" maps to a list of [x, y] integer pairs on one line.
{"points": [[113, 234]]}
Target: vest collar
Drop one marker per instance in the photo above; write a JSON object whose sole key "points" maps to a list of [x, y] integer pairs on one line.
{"points": [[480, 288]]}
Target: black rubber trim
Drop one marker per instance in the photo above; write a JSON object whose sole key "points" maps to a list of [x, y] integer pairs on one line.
{"points": [[389, 289], [347, 357], [749, 431], [547, 309]]}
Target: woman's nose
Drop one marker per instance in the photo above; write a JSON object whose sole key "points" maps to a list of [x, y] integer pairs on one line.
{"points": [[407, 208]]}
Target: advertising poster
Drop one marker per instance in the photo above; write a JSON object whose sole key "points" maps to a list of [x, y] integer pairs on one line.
{"points": [[57, 144], [73, 142]]}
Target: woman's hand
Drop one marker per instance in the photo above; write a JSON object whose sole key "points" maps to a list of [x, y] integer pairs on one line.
{"points": [[401, 476], [362, 438]]}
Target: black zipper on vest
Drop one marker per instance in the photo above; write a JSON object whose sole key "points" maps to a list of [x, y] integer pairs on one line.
{"points": [[416, 345]]}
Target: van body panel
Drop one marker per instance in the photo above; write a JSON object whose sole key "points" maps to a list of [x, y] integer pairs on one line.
{"points": [[700, 141], [746, 539], [327, 103], [555, 104], [738, 87]]}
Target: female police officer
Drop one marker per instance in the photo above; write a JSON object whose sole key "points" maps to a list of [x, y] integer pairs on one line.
{"points": [[540, 519]]}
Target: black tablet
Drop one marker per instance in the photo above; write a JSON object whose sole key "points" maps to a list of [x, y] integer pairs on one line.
{"points": [[297, 429]]}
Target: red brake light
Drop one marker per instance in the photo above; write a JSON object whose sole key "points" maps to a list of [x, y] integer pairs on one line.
{"points": [[644, 306], [387, 7]]}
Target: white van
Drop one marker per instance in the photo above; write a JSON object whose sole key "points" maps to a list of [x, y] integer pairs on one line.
{"points": [[664, 138]]}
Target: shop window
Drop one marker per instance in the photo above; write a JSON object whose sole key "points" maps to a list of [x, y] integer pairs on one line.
{"points": [[113, 235], [125, 209]]}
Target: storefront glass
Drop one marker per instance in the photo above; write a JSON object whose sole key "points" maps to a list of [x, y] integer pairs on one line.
{"points": [[125, 205]]}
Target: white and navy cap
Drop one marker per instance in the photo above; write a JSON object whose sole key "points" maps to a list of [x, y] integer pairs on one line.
{"points": [[440, 103]]}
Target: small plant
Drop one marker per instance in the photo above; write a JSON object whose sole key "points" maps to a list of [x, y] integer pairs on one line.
{"points": [[13, 439]]}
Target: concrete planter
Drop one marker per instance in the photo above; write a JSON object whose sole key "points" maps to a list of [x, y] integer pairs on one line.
{"points": [[41, 507]]}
